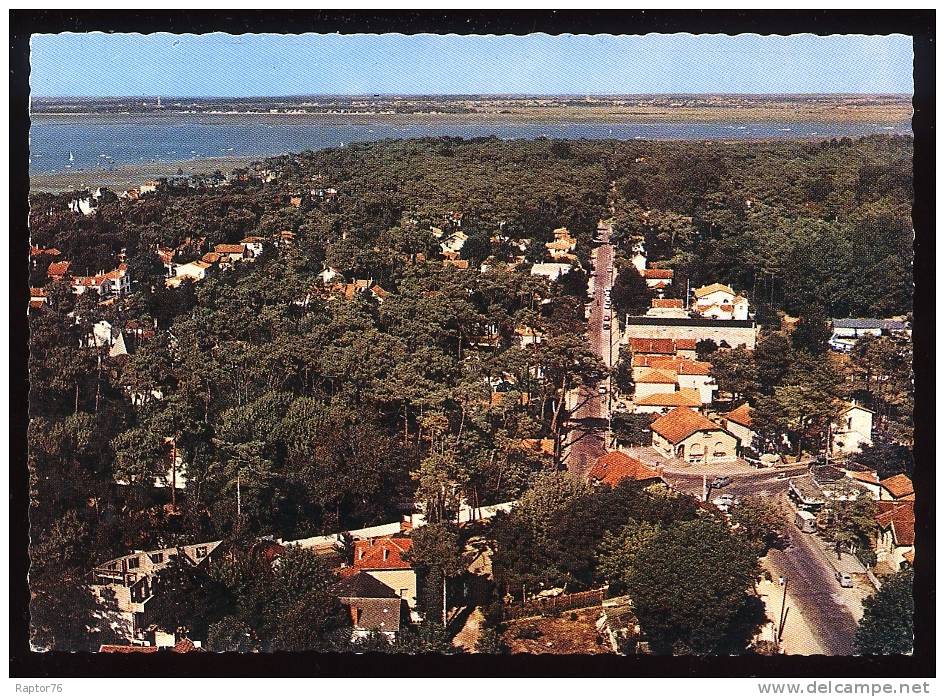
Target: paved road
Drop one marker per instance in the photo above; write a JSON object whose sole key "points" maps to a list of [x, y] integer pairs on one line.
{"points": [[586, 440], [763, 482], [812, 588]]}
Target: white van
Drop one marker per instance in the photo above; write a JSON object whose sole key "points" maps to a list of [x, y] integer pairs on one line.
{"points": [[805, 521]]}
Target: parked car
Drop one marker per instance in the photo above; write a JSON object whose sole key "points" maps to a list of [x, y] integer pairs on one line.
{"points": [[606, 325], [843, 579], [720, 482], [602, 389], [783, 475]]}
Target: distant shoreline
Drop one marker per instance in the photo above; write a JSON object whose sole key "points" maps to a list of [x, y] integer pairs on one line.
{"points": [[131, 175], [608, 115]]}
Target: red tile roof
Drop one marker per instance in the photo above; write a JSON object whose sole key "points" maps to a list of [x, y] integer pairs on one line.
{"points": [[868, 477], [740, 415], [685, 344], [681, 423], [658, 273], [640, 345], [126, 648], [59, 268], [228, 249], [382, 553], [686, 397], [898, 485], [902, 521], [682, 366], [657, 377], [667, 302], [184, 646], [616, 466]]}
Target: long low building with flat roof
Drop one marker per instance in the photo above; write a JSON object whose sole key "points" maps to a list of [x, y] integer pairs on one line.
{"points": [[733, 332]]}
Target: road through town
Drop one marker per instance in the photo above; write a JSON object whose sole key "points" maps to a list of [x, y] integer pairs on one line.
{"points": [[589, 421]]}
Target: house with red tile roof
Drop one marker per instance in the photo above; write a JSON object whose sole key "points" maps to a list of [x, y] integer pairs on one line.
{"points": [[658, 279], [230, 253], [372, 605], [58, 270], [654, 381], [895, 536], [896, 488], [688, 435], [719, 301], [664, 347], [616, 466], [387, 560], [738, 423], [663, 402]]}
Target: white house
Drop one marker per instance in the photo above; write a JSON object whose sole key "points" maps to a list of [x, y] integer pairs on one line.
{"points": [[718, 301], [552, 271], [654, 381], [454, 242], [119, 280], [85, 205], [526, 336], [738, 423], [124, 586], [253, 245], [689, 436], [895, 536], [852, 429], [193, 270], [99, 336], [328, 274]]}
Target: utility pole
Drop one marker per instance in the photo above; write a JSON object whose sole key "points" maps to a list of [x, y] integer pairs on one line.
{"points": [[783, 610]]}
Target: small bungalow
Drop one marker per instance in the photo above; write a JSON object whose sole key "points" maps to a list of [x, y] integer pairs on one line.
{"points": [[688, 435]]}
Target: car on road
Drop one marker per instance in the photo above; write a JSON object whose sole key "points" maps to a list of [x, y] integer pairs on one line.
{"points": [[843, 579], [720, 482]]}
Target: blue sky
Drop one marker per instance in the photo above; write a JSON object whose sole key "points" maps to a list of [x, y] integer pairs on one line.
{"points": [[222, 65]]}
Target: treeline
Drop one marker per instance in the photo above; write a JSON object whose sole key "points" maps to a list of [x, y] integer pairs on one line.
{"points": [[793, 224]]}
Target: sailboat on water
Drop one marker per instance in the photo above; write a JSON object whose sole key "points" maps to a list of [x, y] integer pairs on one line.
{"points": [[71, 157]]}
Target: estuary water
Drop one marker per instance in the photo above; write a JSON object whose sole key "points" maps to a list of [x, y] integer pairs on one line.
{"points": [[97, 143]]}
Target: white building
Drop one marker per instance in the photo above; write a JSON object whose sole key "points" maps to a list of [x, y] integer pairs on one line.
{"points": [[718, 301], [551, 271], [852, 429]]}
